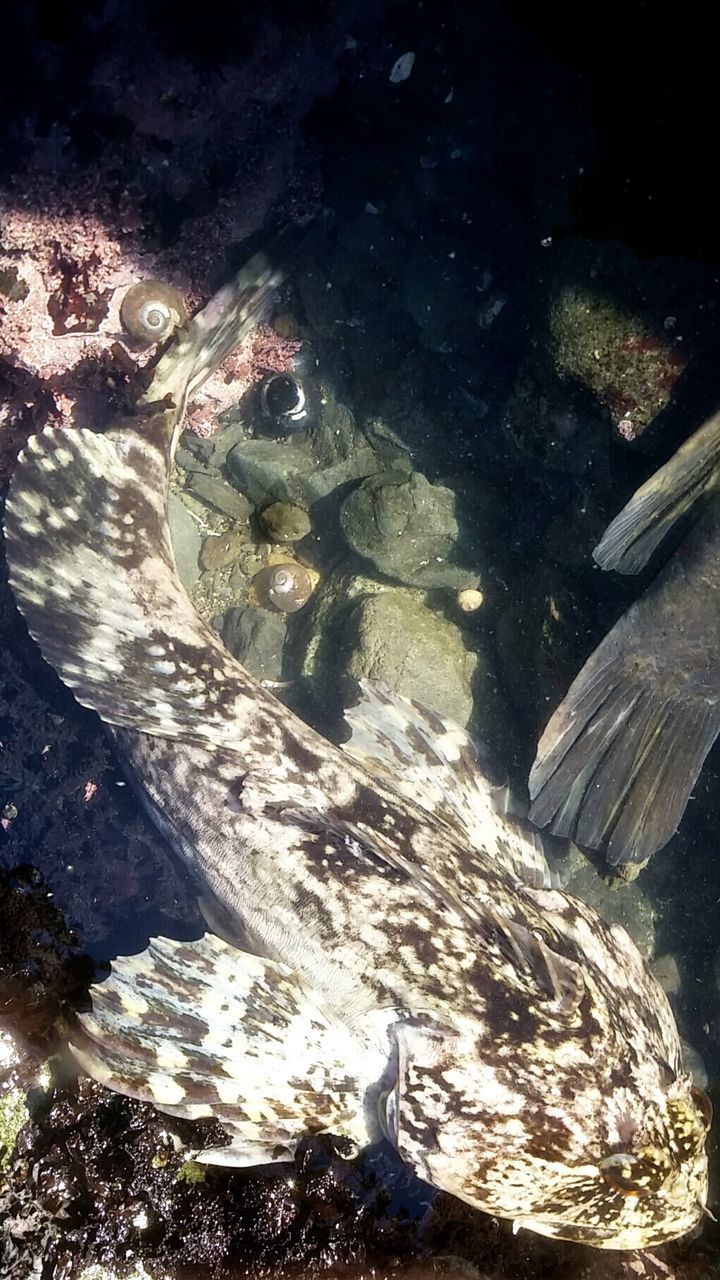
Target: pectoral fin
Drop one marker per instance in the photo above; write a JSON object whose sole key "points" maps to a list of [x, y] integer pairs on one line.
{"points": [[202, 1029]]}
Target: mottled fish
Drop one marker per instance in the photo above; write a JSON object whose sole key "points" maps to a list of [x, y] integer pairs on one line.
{"points": [[387, 957], [618, 759]]}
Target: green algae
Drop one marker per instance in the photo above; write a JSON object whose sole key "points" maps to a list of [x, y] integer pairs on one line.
{"points": [[627, 365], [13, 1115]]}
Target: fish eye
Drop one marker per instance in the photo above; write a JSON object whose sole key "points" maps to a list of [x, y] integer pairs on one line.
{"points": [[703, 1105], [634, 1175]]}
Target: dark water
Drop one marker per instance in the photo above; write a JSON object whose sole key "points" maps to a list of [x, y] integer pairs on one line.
{"points": [[521, 257]]}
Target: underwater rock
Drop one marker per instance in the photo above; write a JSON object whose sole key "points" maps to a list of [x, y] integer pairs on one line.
{"points": [[222, 549], [407, 528], [304, 468], [631, 369], [393, 637], [625, 325], [441, 290], [267, 471], [256, 638], [617, 902], [219, 495], [285, 522], [186, 541]]}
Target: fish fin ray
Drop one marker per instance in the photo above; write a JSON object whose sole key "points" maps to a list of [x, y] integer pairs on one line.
{"points": [[435, 764], [201, 1028], [89, 553], [632, 537], [619, 757]]}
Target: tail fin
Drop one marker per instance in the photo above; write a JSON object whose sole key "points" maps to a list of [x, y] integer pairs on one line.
{"points": [[618, 759], [634, 534], [227, 318]]}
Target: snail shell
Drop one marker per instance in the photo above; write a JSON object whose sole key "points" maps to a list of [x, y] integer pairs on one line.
{"points": [[151, 310], [283, 402], [284, 587]]}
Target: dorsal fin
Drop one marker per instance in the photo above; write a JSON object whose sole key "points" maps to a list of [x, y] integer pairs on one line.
{"points": [[434, 763]]}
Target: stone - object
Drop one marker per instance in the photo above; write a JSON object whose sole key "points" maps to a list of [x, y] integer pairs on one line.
{"points": [[616, 902], [222, 549], [407, 528], [630, 368], [256, 638], [185, 538], [219, 495], [393, 637], [285, 522], [268, 471]]}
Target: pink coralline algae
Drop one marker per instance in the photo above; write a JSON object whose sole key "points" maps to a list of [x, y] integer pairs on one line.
{"points": [[187, 163], [263, 351], [64, 356], [62, 276]]}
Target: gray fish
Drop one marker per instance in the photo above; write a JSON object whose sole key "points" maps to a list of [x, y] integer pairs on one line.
{"points": [[385, 955], [617, 762]]}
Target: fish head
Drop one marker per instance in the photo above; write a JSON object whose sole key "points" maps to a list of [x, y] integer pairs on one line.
{"points": [[633, 1181], [652, 1192]]}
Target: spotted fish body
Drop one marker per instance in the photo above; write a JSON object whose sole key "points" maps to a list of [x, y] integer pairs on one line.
{"points": [[386, 954]]}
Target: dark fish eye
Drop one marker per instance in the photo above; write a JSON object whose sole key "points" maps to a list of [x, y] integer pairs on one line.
{"points": [[703, 1104]]}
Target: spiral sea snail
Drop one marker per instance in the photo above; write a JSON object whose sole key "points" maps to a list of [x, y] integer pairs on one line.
{"points": [[151, 310], [283, 587]]}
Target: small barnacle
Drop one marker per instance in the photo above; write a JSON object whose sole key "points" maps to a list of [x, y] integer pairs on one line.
{"points": [[151, 310], [284, 587]]}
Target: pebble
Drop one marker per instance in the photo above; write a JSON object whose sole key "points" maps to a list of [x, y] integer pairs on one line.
{"points": [[220, 495], [285, 522], [222, 549], [256, 638], [268, 471]]}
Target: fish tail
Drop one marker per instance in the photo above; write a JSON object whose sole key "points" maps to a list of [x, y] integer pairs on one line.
{"points": [[634, 534], [230, 315], [619, 757]]}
